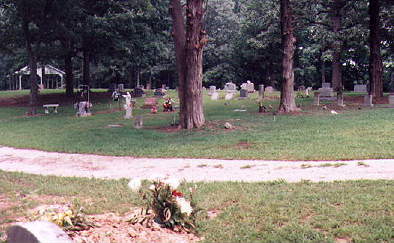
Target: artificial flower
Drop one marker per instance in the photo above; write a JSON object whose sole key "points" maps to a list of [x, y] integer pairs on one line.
{"points": [[184, 205], [134, 184]]}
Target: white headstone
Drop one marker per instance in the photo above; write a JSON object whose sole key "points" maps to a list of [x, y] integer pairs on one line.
{"points": [[128, 107], [212, 89], [360, 88], [230, 87], [368, 100], [229, 96], [215, 96], [37, 232], [391, 98], [269, 89]]}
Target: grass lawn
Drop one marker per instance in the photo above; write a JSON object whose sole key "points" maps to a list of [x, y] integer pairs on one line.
{"points": [[361, 211], [313, 134]]}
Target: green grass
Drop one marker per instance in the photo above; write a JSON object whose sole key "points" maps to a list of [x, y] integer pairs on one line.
{"points": [[276, 211], [314, 134]]}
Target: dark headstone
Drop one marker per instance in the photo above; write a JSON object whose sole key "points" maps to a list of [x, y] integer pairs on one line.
{"points": [[243, 93], [37, 232]]}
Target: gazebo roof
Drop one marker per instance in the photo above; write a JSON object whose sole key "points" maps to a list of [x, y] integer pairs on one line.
{"points": [[49, 69]]}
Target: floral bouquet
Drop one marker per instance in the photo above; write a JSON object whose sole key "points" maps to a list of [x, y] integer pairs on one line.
{"points": [[170, 207]]}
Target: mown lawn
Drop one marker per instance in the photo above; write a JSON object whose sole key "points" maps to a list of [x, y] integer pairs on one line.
{"points": [[357, 211], [313, 134]]}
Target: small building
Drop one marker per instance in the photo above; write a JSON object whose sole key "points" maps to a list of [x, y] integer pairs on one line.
{"points": [[54, 78]]}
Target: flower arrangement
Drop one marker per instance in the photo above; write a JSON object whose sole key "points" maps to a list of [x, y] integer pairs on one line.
{"points": [[170, 207], [69, 218]]}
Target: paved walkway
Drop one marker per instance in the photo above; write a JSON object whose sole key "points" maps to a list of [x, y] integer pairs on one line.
{"points": [[83, 165]]}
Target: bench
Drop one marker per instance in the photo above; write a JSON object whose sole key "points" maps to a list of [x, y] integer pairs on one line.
{"points": [[48, 107]]}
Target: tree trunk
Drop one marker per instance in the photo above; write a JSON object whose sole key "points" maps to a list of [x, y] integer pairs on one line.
{"points": [[179, 34], [375, 58], [33, 99], [287, 97], [189, 44], [68, 68], [322, 68], [86, 67], [336, 78], [195, 42]]}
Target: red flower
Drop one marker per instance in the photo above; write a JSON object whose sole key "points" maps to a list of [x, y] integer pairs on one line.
{"points": [[177, 194]]}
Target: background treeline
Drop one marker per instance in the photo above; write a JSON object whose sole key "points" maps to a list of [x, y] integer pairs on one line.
{"points": [[99, 42]]}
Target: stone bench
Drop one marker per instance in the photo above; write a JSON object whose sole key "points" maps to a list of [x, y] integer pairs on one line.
{"points": [[49, 107]]}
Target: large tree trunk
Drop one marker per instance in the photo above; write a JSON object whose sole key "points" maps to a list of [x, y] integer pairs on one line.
{"points": [[195, 42], [336, 79], [179, 34], [33, 99], [86, 67], [68, 68], [189, 44], [287, 97], [375, 58]]}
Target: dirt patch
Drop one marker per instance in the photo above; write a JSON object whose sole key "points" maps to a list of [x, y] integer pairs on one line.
{"points": [[114, 228], [168, 129], [5, 203]]}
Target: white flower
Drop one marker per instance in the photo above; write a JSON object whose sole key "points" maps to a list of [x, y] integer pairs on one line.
{"points": [[134, 184], [172, 182], [184, 205], [152, 187]]}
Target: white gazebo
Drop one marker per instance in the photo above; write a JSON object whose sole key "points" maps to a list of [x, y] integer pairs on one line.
{"points": [[49, 69]]}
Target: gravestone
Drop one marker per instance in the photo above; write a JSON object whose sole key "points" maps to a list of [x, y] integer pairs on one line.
{"points": [[308, 90], [360, 88], [248, 86], [159, 92], [128, 106], [139, 122], [391, 98], [326, 90], [37, 232], [368, 100], [229, 96], [230, 87], [261, 91], [84, 109], [138, 92], [215, 96], [121, 87], [212, 89], [243, 93], [316, 98], [269, 89], [340, 99]]}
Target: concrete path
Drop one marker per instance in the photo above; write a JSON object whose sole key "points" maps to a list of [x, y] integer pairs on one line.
{"points": [[83, 165]]}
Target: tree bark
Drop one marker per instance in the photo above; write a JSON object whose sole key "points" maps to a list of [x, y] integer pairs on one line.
{"points": [[287, 97], [189, 43], [375, 58], [86, 67], [68, 68], [336, 79], [33, 99], [195, 42], [179, 34]]}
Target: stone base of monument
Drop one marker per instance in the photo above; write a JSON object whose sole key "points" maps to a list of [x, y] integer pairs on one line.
{"points": [[37, 232]]}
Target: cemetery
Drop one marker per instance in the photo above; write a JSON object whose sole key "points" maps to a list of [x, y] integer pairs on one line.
{"points": [[196, 121]]}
